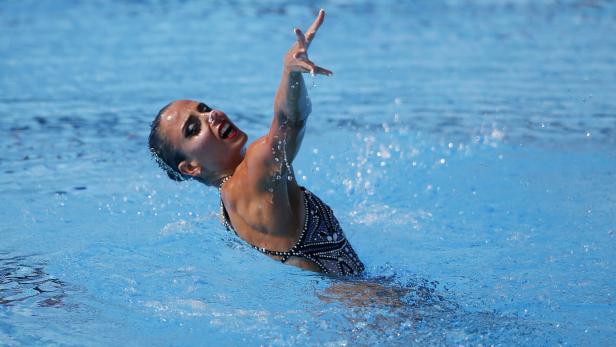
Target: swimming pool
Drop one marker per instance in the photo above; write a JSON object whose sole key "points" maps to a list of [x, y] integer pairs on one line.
{"points": [[467, 149]]}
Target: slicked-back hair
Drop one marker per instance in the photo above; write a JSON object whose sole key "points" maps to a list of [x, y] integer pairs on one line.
{"points": [[165, 155]]}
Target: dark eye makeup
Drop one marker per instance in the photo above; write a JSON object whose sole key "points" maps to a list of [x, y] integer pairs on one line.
{"points": [[203, 108], [192, 127]]}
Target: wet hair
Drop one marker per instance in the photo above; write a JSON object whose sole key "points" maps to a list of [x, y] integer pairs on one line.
{"points": [[165, 155]]}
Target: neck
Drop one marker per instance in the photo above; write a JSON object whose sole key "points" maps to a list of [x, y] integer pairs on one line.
{"points": [[221, 177], [214, 179]]}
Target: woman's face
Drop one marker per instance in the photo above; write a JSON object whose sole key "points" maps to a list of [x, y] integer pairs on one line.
{"points": [[206, 137]]}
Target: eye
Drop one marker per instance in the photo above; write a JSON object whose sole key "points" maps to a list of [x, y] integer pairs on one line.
{"points": [[202, 108], [193, 128]]}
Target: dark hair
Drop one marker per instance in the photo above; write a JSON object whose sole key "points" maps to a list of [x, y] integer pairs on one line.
{"points": [[165, 155]]}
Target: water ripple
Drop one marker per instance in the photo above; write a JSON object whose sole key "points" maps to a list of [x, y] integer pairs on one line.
{"points": [[23, 280]]}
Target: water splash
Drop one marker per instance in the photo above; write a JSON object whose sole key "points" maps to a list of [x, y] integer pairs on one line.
{"points": [[284, 166]]}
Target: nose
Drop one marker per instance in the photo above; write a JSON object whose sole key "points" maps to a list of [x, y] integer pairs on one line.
{"points": [[215, 117]]}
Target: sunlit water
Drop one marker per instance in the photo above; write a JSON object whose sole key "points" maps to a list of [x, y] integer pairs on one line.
{"points": [[467, 149]]}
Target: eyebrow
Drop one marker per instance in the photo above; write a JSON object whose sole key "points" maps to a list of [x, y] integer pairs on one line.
{"points": [[188, 120]]}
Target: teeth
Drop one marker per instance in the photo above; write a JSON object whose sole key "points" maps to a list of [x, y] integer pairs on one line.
{"points": [[224, 129]]}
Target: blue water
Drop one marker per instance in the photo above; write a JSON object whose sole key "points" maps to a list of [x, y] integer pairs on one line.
{"points": [[468, 149]]}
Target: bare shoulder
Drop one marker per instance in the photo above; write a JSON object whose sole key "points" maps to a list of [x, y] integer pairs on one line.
{"points": [[260, 151], [258, 166], [258, 199], [265, 168]]}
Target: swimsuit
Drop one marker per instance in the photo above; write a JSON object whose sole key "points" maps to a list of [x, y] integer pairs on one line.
{"points": [[321, 241]]}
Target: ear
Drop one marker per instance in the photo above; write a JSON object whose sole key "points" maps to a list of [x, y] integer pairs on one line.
{"points": [[190, 168]]}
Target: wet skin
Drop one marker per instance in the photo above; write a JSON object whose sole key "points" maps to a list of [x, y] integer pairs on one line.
{"points": [[263, 200], [197, 133]]}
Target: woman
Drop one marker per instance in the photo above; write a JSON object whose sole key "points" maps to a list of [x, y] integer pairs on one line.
{"points": [[260, 198]]}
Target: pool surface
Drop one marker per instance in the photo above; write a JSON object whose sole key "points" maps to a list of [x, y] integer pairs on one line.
{"points": [[467, 147]]}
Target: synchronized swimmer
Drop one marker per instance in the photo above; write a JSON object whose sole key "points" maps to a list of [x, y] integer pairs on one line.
{"points": [[260, 199]]}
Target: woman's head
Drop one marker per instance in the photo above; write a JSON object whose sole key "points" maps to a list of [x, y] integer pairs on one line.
{"points": [[190, 140]]}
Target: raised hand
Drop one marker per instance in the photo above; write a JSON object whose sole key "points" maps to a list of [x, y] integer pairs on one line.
{"points": [[296, 59]]}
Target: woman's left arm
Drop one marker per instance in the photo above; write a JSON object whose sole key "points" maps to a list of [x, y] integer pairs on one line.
{"points": [[291, 104]]}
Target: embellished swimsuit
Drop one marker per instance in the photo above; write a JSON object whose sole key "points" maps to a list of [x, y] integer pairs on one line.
{"points": [[321, 241]]}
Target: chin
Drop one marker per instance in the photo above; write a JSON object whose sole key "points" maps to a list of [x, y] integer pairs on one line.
{"points": [[242, 138]]}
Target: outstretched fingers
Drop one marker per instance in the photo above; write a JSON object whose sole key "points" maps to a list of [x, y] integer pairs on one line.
{"points": [[311, 32], [299, 52]]}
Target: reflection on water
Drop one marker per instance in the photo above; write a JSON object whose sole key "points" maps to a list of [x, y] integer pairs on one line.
{"points": [[23, 280]]}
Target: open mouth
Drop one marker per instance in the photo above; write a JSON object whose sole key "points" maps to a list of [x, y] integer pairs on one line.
{"points": [[227, 131]]}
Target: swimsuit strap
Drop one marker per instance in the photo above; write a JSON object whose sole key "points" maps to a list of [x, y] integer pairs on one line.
{"points": [[226, 222], [224, 217]]}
